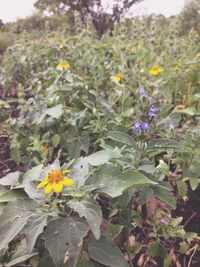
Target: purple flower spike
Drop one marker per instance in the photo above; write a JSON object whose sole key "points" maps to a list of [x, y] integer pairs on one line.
{"points": [[143, 92], [145, 126], [136, 127]]}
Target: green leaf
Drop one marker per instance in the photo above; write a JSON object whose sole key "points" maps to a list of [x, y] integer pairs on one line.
{"points": [[106, 253], [113, 230], [15, 154], [103, 156], [187, 111], [121, 137], [89, 209], [12, 195], [163, 167], [10, 179], [67, 235], [157, 250], [20, 259], [55, 112], [162, 143], [163, 192], [33, 229], [109, 180], [88, 263], [80, 170], [55, 140], [12, 220], [34, 174], [182, 188], [194, 182]]}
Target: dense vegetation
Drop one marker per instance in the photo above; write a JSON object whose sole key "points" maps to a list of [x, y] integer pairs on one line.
{"points": [[109, 126]]}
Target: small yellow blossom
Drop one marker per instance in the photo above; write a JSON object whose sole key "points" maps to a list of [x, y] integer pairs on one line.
{"points": [[118, 77], [63, 65], [181, 106], [197, 56], [156, 70], [176, 69], [54, 181]]}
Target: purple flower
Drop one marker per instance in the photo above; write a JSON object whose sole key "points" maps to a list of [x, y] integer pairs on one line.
{"points": [[163, 220], [136, 127], [152, 100], [145, 126], [143, 92], [153, 112]]}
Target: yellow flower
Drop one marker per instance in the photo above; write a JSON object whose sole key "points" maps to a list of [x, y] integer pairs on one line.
{"points": [[155, 70], [197, 56], [63, 65], [54, 181], [181, 106], [176, 69], [118, 77]]}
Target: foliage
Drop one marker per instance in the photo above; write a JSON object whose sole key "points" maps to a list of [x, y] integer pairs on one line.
{"points": [[121, 114]]}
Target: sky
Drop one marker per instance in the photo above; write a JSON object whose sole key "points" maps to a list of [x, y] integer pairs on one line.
{"points": [[10, 10]]}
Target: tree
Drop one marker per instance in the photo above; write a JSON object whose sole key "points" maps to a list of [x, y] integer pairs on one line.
{"points": [[94, 8], [189, 18]]}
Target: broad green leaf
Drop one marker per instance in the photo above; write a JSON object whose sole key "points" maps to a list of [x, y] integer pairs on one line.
{"points": [[45, 260], [163, 167], [103, 156], [63, 236], [194, 182], [157, 250], [80, 169], [182, 188], [162, 143], [15, 154], [33, 174], [163, 192], [111, 181], [87, 263], [13, 219], [10, 179], [55, 140], [105, 252], [187, 111], [55, 112], [12, 195], [89, 209], [20, 259], [113, 230], [121, 137], [33, 229]]}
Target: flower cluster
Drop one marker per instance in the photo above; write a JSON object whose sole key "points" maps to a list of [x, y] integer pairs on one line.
{"points": [[148, 112]]}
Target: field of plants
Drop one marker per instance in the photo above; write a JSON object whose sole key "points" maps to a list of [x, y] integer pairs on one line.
{"points": [[100, 147]]}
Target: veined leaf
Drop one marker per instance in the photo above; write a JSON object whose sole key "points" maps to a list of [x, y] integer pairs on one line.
{"points": [[121, 137], [162, 143], [106, 253], [67, 235], [89, 209], [103, 156], [13, 219]]}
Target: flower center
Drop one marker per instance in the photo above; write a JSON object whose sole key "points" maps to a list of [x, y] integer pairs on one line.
{"points": [[55, 176]]}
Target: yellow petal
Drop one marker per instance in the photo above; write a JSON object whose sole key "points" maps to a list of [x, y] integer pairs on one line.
{"points": [[48, 188], [43, 183], [68, 182], [58, 187]]}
